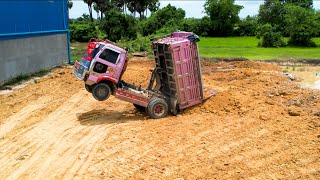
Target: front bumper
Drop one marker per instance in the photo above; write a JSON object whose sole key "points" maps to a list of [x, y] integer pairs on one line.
{"points": [[80, 69]]}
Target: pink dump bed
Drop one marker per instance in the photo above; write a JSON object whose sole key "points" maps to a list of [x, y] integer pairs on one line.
{"points": [[183, 68], [185, 56]]}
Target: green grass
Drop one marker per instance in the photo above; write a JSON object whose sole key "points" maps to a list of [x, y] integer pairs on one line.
{"points": [[246, 47], [77, 50], [20, 78]]}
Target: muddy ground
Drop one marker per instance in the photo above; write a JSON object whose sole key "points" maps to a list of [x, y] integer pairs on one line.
{"points": [[260, 125]]}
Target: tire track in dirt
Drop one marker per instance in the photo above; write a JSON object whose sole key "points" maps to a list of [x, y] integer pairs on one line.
{"points": [[23, 114], [62, 157], [59, 146], [151, 154], [41, 137], [11, 140], [38, 132], [85, 153]]}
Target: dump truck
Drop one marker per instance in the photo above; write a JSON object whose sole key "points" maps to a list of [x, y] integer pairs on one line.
{"points": [[175, 82]]}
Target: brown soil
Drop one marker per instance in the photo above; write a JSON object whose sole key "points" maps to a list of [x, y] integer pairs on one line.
{"points": [[260, 125]]}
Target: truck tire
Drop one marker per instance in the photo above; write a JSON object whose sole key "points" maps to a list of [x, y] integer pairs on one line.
{"points": [[157, 108], [101, 91], [88, 88], [140, 108]]}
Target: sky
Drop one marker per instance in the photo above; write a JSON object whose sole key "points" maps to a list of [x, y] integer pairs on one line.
{"points": [[192, 8]]}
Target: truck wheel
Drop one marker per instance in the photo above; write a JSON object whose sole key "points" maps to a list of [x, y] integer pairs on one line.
{"points": [[157, 108], [140, 108], [101, 91], [88, 88]]}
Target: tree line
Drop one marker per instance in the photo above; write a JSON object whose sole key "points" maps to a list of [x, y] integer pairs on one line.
{"points": [[129, 19], [133, 6]]}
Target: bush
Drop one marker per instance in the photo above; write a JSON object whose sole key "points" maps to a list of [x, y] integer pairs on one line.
{"points": [[82, 32], [170, 27], [204, 26], [269, 37], [118, 26], [246, 27], [141, 44], [191, 25], [301, 39]]}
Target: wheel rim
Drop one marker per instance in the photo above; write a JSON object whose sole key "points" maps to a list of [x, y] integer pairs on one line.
{"points": [[101, 92], [159, 110]]}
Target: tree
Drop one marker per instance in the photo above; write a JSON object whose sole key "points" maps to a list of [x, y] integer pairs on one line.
{"points": [[81, 29], [117, 26], [89, 3], [167, 16], [70, 4], [224, 14], [308, 4], [141, 7], [153, 5], [318, 20], [272, 12], [132, 6], [105, 5], [97, 9], [302, 25]]}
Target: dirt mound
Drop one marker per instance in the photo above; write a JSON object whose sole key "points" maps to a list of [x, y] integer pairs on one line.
{"points": [[60, 83], [255, 89]]}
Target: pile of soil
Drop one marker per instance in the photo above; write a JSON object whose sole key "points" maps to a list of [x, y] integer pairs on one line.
{"points": [[249, 86]]}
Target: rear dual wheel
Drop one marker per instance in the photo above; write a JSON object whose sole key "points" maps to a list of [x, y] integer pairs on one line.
{"points": [[157, 108]]}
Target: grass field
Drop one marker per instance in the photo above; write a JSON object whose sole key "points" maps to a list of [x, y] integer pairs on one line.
{"points": [[246, 47], [77, 50]]}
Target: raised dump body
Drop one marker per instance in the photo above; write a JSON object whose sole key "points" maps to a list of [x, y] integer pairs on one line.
{"points": [[178, 66]]}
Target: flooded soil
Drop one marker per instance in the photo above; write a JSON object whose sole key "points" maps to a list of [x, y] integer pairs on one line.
{"points": [[307, 75]]}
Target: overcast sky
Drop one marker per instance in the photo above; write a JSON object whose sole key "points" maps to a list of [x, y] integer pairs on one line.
{"points": [[192, 8]]}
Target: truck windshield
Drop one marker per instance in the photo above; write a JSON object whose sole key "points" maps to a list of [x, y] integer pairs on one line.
{"points": [[109, 56]]}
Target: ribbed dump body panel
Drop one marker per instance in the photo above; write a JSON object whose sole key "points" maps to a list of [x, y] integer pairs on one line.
{"points": [[178, 67]]}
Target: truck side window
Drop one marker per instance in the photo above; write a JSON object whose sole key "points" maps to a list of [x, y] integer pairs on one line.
{"points": [[96, 50], [109, 56]]}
